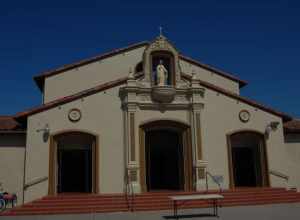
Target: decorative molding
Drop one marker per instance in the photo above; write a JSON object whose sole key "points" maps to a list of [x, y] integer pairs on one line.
{"points": [[163, 94], [52, 180], [145, 98], [187, 148], [263, 158], [180, 98], [140, 97], [132, 136], [244, 116], [201, 173], [74, 115], [161, 44], [142, 160], [133, 175], [199, 138], [52, 167]]}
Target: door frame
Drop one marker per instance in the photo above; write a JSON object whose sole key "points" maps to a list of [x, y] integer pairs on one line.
{"points": [[263, 158], [53, 169], [185, 131]]}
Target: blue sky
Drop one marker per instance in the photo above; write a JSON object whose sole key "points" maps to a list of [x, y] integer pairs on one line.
{"points": [[257, 41]]}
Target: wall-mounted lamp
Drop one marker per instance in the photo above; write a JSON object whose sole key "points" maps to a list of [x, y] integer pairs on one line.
{"points": [[271, 127], [46, 132]]}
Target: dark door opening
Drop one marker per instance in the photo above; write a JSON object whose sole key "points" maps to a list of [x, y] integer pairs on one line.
{"points": [[164, 160], [244, 169], [248, 160], [74, 170]]}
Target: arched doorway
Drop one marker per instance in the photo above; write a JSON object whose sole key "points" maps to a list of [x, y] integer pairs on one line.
{"points": [[166, 156], [73, 163], [248, 165]]}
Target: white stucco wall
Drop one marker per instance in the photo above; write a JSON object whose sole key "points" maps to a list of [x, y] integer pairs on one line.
{"points": [[91, 75], [210, 77], [292, 146], [12, 149], [114, 67], [220, 117], [101, 115]]}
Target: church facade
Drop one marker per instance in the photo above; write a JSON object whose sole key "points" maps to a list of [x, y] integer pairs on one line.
{"points": [[145, 118]]}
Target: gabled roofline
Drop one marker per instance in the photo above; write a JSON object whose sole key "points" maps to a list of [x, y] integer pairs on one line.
{"points": [[71, 98], [242, 83], [40, 79], [123, 80], [12, 131], [8, 124]]}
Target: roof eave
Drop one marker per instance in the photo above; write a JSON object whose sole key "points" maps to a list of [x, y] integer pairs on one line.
{"points": [[21, 116], [284, 116], [40, 78], [227, 75], [12, 132]]}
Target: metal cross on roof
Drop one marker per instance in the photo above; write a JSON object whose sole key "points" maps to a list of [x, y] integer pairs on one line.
{"points": [[160, 30]]}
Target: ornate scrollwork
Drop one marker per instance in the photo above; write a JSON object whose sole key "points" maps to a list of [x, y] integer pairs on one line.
{"points": [[160, 44], [163, 46]]}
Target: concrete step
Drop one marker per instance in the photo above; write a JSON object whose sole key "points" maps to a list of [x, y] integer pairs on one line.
{"points": [[87, 203]]}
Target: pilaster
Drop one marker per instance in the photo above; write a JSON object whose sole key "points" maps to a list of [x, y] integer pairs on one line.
{"points": [[129, 107], [196, 93]]}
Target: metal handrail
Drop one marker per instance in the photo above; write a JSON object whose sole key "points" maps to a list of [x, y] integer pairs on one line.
{"points": [[34, 182], [279, 174], [214, 180], [129, 192]]}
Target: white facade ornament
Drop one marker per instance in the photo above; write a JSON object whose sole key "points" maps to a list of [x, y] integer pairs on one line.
{"points": [[163, 46], [194, 80], [244, 116], [131, 74], [160, 44], [162, 74], [74, 115], [194, 77], [145, 98]]}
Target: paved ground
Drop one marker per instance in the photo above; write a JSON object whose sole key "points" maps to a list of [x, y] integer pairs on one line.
{"points": [[275, 212]]}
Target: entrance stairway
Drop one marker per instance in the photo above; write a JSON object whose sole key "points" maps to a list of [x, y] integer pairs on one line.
{"points": [[89, 203]]}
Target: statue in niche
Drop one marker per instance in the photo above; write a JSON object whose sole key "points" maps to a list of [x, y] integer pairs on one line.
{"points": [[161, 73]]}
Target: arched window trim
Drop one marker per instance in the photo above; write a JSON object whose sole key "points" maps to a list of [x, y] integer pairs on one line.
{"points": [[266, 176]]}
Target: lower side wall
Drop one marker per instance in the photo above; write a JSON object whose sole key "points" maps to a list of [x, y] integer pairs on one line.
{"points": [[12, 170], [292, 145]]}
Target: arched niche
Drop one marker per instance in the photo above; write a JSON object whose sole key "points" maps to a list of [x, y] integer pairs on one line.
{"points": [[161, 49]]}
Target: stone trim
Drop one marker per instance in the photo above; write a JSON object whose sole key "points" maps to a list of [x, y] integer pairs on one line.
{"points": [[187, 148], [52, 180], [132, 136], [263, 157], [199, 137]]}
